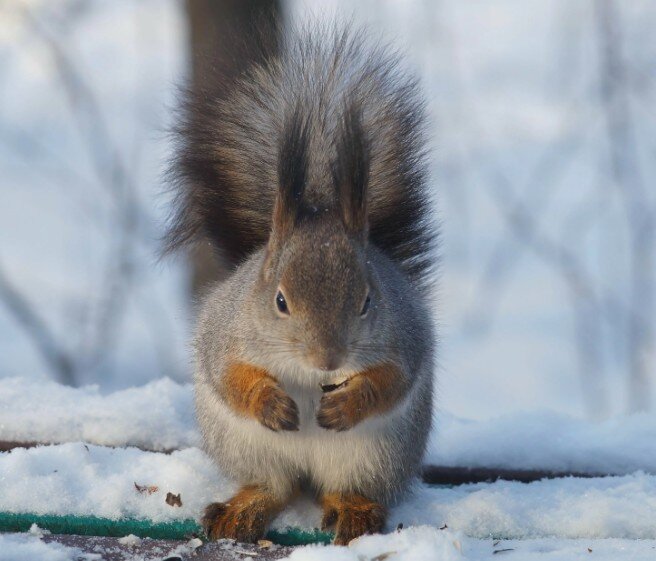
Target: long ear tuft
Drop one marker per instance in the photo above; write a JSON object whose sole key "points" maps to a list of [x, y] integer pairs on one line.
{"points": [[292, 173], [351, 171]]}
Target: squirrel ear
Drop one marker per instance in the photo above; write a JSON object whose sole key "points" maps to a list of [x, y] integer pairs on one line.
{"points": [[351, 171], [292, 172]]}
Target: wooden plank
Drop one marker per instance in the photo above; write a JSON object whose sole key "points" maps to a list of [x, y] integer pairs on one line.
{"points": [[462, 475], [111, 549], [9, 445], [431, 474]]}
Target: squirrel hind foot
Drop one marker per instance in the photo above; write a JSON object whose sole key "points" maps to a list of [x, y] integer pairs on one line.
{"points": [[351, 516], [243, 518]]}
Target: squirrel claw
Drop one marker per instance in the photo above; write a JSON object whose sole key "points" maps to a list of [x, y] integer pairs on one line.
{"points": [[226, 521], [351, 516], [353, 524], [329, 519], [212, 513]]}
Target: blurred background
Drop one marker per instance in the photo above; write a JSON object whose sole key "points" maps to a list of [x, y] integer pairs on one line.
{"points": [[543, 149]]}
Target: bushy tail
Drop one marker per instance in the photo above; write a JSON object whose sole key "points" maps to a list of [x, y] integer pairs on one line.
{"points": [[227, 163]]}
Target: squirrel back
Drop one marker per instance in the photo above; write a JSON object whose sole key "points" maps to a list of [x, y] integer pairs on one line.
{"points": [[332, 104]]}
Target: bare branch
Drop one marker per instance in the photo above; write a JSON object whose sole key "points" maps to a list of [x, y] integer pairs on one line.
{"points": [[52, 352], [624, 169], [116, 179]]}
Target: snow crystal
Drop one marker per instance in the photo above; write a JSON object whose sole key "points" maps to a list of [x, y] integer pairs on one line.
{"points": [[186, 549], [130, 540], [38, 532]]}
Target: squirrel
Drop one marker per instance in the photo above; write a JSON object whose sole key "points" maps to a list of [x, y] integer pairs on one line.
{"points": [[314, 356]]}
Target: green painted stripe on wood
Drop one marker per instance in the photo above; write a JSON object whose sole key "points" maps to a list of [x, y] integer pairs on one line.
{"points": [[177, 530]]}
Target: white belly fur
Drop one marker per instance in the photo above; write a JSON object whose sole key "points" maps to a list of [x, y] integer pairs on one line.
{"points": [[330, 461]]}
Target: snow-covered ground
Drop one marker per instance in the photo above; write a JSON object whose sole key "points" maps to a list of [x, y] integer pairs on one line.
{"points": [[422, 543], [559, 518], [27, 547], [430, 544], [159, 416], [85, 479]]}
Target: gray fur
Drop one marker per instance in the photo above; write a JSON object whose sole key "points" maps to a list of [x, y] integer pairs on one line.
{"points": [[378, 457], [326, 250], [229, 144]]}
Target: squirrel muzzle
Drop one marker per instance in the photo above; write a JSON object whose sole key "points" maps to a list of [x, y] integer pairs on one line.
{"points": [[327, 359]]}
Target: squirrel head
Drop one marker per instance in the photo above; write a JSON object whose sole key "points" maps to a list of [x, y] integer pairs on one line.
{"points": [[317, 292]]}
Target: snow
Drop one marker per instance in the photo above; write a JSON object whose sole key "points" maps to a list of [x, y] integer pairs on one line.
{"points": [[130, 540], [550, 519], [158, 415], [612, 507], [26, 547], [92, 480], [422, 543], [58, 218], [426, 543], [74, 478], [548, 441], [83, 479], [38, 532]]}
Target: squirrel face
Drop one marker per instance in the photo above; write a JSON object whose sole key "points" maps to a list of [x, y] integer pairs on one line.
{"points": [[318, 296], [316, 289]]}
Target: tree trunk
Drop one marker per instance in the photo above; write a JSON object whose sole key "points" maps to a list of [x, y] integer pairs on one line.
{"points": [[223, 43]]}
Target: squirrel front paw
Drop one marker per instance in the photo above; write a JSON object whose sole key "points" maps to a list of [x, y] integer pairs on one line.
{"points": [[343, 408], [277, 410]]}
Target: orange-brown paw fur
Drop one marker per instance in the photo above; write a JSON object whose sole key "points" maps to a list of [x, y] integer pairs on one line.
{"points": [[252, 392], [243, 518], [346, 406], [278, 411], [351, 516]]}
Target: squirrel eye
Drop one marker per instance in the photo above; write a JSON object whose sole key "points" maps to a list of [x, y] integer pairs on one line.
{"points": [[365, 307], [281, 304]]}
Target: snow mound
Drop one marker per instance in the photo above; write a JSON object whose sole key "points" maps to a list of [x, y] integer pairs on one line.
{"points": [[547, 441], [93, 480], [159, 415], [609, 507], [421, 543], [27, 547], [425, 543]]}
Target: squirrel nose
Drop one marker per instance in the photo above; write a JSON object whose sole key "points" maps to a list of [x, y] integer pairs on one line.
{"points": [[328, 360]]}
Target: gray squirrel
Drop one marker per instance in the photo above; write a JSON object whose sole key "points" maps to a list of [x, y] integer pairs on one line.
{"points": [[314, 357]]}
